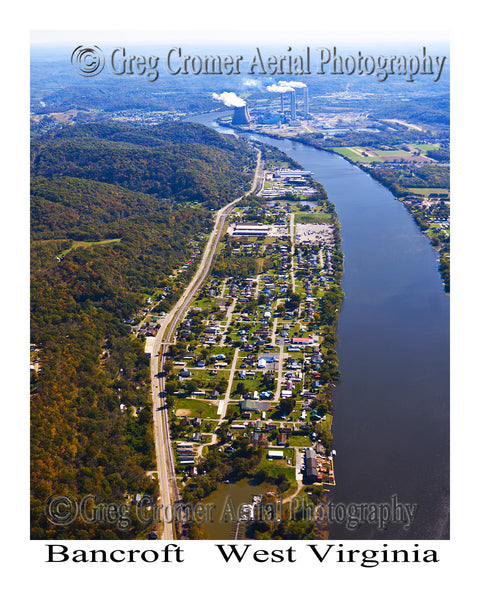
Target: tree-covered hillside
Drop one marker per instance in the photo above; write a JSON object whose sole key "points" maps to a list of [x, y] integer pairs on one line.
{"points": [[185, 163], [91, 184]]}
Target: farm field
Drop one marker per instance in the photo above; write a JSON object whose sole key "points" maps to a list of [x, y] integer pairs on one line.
{"points": [[368, 154], [425, 192]]}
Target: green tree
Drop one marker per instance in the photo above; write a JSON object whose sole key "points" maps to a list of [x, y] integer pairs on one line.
{"points": [[287, 405], [191, 385]]}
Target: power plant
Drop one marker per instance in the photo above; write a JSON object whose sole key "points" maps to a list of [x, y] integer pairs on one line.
{"points": [[241, 115], [305, 102], [293, 105], [270, 115]]}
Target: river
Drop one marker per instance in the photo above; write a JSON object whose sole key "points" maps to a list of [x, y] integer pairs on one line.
{"points": [[391, 407]]}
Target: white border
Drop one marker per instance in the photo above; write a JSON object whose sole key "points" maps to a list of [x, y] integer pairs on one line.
{"points": [[204, 575]]}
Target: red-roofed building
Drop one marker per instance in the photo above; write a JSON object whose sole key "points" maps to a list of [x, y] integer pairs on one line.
{"points": [[302, 340]]}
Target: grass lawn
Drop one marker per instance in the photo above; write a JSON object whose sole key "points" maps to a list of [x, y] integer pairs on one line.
{"points": [[251, 385], [187, 407], [208, 426], [307, 217], [299, 440], [207, 381], [326, 425], [204, 303], [274, 468]]}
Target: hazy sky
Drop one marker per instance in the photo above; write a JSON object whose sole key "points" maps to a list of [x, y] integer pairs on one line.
{"points": [[250, 37]]}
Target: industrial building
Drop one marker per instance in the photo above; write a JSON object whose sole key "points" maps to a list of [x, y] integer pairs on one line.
{"points": [[311, 472], [275, 454], [293, 105], [305, 102], [254, 229], [304, 341]]}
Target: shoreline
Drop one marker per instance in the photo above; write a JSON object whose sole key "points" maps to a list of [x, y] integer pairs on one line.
{"points": [[444, 272]]}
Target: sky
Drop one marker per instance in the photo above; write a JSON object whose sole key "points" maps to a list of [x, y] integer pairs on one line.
{"points": [[232, 36]]}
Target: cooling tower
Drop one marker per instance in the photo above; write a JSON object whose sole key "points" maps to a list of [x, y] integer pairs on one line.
{"points": [[241, 116], [293, 105], [305, 102]]}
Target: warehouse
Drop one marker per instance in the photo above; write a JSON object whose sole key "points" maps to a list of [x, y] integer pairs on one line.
{"points": [[253, 229], [311, 473], [275, 454]]}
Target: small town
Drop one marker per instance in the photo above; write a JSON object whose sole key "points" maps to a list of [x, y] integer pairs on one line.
{"points": [[253, 359]]}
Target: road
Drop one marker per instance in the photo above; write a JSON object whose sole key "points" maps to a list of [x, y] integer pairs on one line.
{"points": [[292, 250], [223, 404], [278, 391], [163, 448]]}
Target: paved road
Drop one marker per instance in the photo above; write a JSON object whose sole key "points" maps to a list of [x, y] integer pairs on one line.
{"points": [[280, 373], [292, 250], [163, 448], [223, 404], [229, 314]]}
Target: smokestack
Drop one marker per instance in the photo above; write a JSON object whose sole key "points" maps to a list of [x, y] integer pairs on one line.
{"points": [[281, 97], [305, 102], [241, 115], [293, 105]]}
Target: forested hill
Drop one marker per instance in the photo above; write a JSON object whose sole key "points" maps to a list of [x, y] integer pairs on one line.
{"points": [[109, 226], [184, 162]]}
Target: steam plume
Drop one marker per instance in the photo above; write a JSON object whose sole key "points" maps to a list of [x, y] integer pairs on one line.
{"points": [[292, 84], [279, 89], [230, 99]]}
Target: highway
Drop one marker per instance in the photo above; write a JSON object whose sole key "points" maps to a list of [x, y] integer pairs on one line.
{"points": [[167, 482]]}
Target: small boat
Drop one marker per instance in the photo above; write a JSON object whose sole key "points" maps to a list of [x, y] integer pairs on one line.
{"points": [[334, 452]]}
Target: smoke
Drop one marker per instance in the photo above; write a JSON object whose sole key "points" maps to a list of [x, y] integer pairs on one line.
{"points": [[252, 83], [230, 99], [279, 89], [285, 86], [292, 84]]}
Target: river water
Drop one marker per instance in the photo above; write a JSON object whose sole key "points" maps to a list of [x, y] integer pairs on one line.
{"points": [[391, 407]]}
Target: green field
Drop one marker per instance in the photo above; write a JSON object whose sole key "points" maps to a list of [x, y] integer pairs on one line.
{"points": [[251, 384], [424, 147], [427, 191], [308, 217], [369, 155], [299, 440], [204, 304], [326, 425], [188, 407], [76, 245], [274, 468], [209, 382], [355, 156]]}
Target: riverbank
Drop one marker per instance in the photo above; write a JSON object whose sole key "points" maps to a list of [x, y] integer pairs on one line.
{"points": [[413, 203], [392, 404]]}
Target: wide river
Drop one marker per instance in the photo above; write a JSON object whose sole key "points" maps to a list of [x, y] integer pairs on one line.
{"points": [[391, 408]]}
